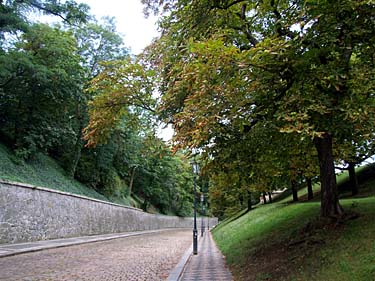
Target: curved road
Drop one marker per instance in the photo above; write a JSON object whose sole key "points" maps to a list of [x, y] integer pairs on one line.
{"points": [[145, 257]]}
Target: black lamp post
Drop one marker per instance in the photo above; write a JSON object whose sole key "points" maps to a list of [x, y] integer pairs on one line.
{"points": [[195, 167]]}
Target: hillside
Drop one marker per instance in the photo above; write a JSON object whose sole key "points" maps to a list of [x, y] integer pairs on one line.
{"points": [[45, 172], [284, 241]]}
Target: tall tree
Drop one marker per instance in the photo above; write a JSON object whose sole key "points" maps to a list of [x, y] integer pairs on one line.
{"points": [[305, 66], [97, 42], [123, 88]]}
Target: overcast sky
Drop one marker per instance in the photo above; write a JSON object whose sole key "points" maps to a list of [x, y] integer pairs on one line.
{"points": [[138, 31]]}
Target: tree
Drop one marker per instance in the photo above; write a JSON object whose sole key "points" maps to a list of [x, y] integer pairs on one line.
{"points": [[123, 88], [99, 42], [304, 66], [354, 149], [40, 84], [14, 11]]}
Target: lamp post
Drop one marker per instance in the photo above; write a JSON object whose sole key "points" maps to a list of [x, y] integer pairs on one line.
{"points": [[195, 167]]}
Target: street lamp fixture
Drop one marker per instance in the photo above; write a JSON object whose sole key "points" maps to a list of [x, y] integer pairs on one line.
{"points": [[195, 167]]}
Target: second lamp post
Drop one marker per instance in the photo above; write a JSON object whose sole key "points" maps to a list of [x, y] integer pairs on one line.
{"points": [[195, 167]]}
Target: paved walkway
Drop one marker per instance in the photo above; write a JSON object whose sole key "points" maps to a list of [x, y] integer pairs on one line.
{"points": [[147, 257], [208, 265], [20, 248], [120, 257]]}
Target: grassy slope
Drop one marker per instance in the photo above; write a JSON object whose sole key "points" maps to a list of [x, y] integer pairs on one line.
{"points": [[45, 172], [285, 241]]}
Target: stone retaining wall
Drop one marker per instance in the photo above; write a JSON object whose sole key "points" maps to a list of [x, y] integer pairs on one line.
{"points": [[30, 213]]}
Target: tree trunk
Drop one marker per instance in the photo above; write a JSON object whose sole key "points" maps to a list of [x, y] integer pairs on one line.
{"points": [[76, 157], [145, 205], [132, 180], [270, 197], [264, 198], [330, 205], [310, 194], [293, 184], [353, 178], [77, 152], [249, 206]]}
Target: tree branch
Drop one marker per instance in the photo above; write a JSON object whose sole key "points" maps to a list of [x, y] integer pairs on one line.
{"points": [[218, 6], [279, 29], [42, 8]]}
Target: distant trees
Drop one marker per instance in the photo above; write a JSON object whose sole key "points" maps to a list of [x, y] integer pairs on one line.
{"points": [[56, 80]]}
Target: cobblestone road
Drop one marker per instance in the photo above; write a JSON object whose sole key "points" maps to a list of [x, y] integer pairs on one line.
{"points": [[146, 257]]}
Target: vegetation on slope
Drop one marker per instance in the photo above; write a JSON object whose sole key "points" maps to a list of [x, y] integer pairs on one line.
{"points": [[287, 241], [41, 171]]}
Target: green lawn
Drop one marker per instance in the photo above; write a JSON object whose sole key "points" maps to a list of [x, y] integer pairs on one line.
{"points": [[286, 242], [42, 171]]}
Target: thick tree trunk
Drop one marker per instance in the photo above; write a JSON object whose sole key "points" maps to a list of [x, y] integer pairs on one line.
{"points": [[293, 185], [310, 194], [330, 205], [353, 178]]}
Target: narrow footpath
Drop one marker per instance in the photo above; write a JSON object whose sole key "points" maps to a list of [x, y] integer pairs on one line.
{"points": [[208, 265]]}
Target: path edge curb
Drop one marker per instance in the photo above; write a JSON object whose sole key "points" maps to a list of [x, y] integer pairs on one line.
{"points": [[177, 271]]}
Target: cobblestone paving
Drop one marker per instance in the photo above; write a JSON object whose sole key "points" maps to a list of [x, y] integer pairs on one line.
{"points": [[146, 257]]}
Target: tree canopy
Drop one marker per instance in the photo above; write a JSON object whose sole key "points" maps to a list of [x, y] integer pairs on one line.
{"points": [[305, 67], [271, 94], [58, 79]]}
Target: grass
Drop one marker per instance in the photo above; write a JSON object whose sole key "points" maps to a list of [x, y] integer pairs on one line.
{"points": [[265, 223], [351, 255], [45, 172], [284, 241]]}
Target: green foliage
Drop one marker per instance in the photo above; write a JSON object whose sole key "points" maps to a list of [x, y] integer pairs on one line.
{"points": [[122, 90], [99, 42], [302, 69], [41, 171], [44, 68], [164, 180], [45, 102], [15, 11]]}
